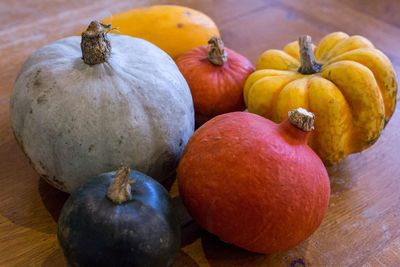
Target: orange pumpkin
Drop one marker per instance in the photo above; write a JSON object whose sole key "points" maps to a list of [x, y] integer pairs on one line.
{"points": [[216, 77], [254, 183]]}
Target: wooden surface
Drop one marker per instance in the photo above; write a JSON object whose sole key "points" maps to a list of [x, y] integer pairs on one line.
{"points": [[362, 226]]}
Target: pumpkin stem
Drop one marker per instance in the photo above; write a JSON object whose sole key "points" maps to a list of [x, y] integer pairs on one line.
{"points": [[308, 64], [302, 119], [119, 190], [217, 54], [95, 45]]}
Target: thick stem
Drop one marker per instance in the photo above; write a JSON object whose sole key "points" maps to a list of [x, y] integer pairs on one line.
{"points": [[95, 45], [119, 190], [307, 60], [302, 119], [217, 54]]}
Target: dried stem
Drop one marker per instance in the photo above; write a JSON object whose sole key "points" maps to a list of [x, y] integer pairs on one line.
{"points": [[119, 190], [217, 54], [95, 45]]}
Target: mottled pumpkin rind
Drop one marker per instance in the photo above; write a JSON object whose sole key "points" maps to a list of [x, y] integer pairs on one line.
{"points": [[75, 121]]}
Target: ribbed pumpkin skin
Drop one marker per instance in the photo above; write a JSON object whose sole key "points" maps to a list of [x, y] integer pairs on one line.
{"points": [[95, 232], [353, 96], [253, 183], [215, 89], [175, 29]]}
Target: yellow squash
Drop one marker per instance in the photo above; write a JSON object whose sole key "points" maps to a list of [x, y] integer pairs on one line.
{"points": [[175, 29], [348, 84]]}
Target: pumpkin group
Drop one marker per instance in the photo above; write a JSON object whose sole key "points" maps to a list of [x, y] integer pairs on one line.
{"points": [[345, 81], [254, 183], [216, 77], [175, 29], [125, 101]]}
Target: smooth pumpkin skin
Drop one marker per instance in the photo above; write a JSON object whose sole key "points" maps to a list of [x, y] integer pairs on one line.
{"points": [[144, 231], [75, 121], [215, 89], [353, 97], [175, 29], [253, 183]]}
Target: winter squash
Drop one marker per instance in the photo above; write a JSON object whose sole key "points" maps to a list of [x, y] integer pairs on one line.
{"points": [[119, 219], [77, 118], [348, 84], [216, 77], [175, 29], [254, 183]]}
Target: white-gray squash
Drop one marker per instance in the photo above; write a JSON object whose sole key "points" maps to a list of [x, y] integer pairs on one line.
{"points": [[77, 113]]}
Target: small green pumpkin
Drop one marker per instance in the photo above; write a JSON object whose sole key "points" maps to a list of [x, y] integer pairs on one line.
{"points": [[120, 219]]}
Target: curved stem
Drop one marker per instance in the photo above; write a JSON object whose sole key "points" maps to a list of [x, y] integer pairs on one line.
{"points": [[308, 65], [95, 45], [217, 54], [119, 190]]}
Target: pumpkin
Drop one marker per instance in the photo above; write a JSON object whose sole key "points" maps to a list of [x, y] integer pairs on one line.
{"points": [[345, 81], [216, 77], [254, 183], [75, 118], [175, 29], [119, 219]]}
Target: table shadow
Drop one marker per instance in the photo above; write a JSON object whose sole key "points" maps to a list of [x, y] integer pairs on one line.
{"points": [[341, 177], [184, 260], [52, 198], [221, 254]]}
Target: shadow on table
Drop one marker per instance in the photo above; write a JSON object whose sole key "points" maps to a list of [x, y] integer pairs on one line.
{"points": [[184, 260], [341, 176], [33, 204], [52, 198], [221, 254]]}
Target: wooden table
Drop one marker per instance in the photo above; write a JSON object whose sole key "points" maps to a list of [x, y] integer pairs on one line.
{"points": [[362, 226]]}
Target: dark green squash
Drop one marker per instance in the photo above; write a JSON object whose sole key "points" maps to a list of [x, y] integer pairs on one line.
{"points": [[124, 221]]}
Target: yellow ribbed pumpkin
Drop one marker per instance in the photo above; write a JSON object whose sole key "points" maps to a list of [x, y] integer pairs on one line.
{"points": [[348, 84], [175, 29]]}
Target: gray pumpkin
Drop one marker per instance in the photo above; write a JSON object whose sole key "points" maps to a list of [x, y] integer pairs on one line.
{"points": [[80, 113]]}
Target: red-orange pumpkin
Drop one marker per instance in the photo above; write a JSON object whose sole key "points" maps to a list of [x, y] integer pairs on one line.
{"points": [[254, 183], [216, 77]]}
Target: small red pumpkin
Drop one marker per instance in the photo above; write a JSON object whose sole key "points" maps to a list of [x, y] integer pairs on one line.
{"points": [[254, 183], [216, 77]]}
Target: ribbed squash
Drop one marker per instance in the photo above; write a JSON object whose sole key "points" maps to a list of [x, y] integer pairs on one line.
{"points": [[345, 81], [175, 29]]}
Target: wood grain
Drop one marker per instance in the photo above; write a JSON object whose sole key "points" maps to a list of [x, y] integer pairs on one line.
{"points": [[361, 227]]}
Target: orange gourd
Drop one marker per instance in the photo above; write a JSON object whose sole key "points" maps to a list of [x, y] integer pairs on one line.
{"points": [[254, 183], [216, 77]]}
